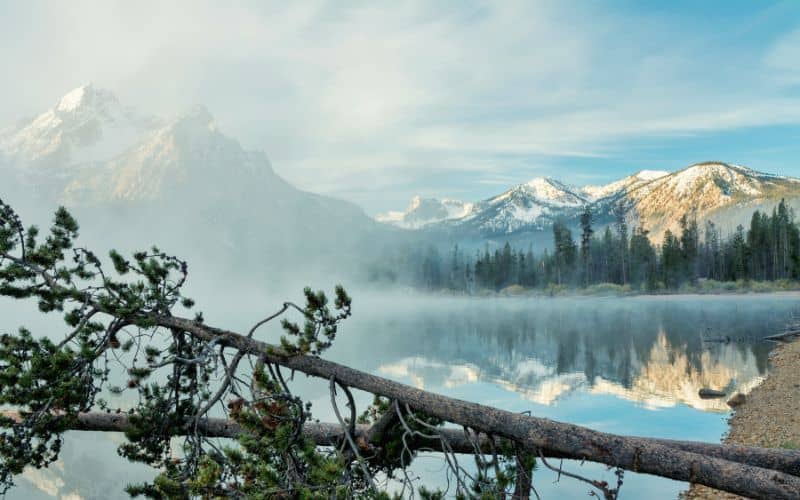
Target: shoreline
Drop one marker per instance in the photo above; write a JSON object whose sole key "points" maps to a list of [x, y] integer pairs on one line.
{"points": [[578, 293], [770, 415]]}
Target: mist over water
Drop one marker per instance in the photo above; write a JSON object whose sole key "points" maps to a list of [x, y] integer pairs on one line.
{"points": [[630, 366], [260, 141]]}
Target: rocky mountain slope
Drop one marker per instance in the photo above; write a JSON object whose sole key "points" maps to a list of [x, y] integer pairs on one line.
{"points": [[656, 200], [711, 190], [87, 125], [531, 205], [623, 185], [181, 183]]}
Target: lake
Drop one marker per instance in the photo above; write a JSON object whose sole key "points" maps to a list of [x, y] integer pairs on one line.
{"points": [[622, 365]]}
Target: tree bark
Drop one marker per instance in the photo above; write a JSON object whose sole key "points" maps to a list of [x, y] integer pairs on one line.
{"points": [[324, 434], [533, 433]]}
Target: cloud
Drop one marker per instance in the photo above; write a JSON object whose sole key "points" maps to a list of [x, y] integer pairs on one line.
{"points": [[784, 58], [350, 97]]}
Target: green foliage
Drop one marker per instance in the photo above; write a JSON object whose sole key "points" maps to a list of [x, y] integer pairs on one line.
{"points": [[320, 326], [178, 371], [111, 315], [38, 378], [767, 251]]}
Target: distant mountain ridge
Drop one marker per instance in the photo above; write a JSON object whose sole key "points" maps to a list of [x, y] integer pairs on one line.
{"points": [[655, 200], [166, 177]]}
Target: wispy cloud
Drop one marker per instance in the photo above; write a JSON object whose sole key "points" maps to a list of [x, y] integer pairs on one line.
{"points": [[363, 98]]}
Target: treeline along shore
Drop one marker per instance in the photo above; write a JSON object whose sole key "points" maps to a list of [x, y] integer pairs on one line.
{"points": [[763, 256]]}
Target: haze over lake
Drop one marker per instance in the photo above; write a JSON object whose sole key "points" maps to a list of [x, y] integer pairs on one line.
{"points": [[630, 366]]}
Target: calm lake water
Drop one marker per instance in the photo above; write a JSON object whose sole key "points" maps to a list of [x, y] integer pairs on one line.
{"points": [[629, 366]]}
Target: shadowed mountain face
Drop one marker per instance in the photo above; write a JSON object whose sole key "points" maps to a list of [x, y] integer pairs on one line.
{"points": [[180, 183], [725, 193]]}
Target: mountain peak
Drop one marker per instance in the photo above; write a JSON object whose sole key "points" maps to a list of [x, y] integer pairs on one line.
{"points": [[199, 114], [73, 98], [720, 167], [713, 163], [623, 185], [545, 182], [86, 125], [424, 211], [86, 96], [197, 123], [726, 176], [650, 175], [547, 190]]}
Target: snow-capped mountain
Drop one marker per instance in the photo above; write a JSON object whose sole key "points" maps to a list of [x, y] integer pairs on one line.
{"points": [[87, 125], [182, 155], [180, 183], [524, 205], [531, 205], [424, 211], [708, 190], [623, 185], [654, 199]]}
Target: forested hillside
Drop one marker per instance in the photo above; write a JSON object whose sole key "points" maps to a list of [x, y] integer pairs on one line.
{"points": [[767, 250]]}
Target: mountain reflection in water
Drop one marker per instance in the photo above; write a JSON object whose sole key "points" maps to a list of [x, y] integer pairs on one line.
{"points": [[606, 363], [656, 352]]}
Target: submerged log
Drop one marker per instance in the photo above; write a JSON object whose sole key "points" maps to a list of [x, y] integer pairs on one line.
{"points": [[706, 393]]}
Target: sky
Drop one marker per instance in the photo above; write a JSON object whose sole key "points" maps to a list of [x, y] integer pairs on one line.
{"points": [[378, 101]]}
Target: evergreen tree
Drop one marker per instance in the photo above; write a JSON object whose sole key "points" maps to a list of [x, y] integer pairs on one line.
{"points": [[739, 255], [643, 260], [564, 251], [671, 260], [689, 243], [586, 244], [622, 234]]}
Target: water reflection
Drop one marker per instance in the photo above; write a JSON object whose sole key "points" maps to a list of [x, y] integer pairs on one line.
{"points": [[657, 352], [604, 363]]}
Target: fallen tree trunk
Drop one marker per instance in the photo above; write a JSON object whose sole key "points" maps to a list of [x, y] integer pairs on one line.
{"points": [[325, 434], [533, 433], [83, 290]]}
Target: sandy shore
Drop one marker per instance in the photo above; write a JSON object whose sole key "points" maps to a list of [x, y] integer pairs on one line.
{"points": [[770, 417]]}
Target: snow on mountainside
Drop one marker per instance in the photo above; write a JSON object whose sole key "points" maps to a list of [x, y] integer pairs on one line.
{"points": [[705, 190], [626, 184], [545, 190], [87, 125], [423, 211], [653, 199], [181, 183], [186, 153], [531, 204]]}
